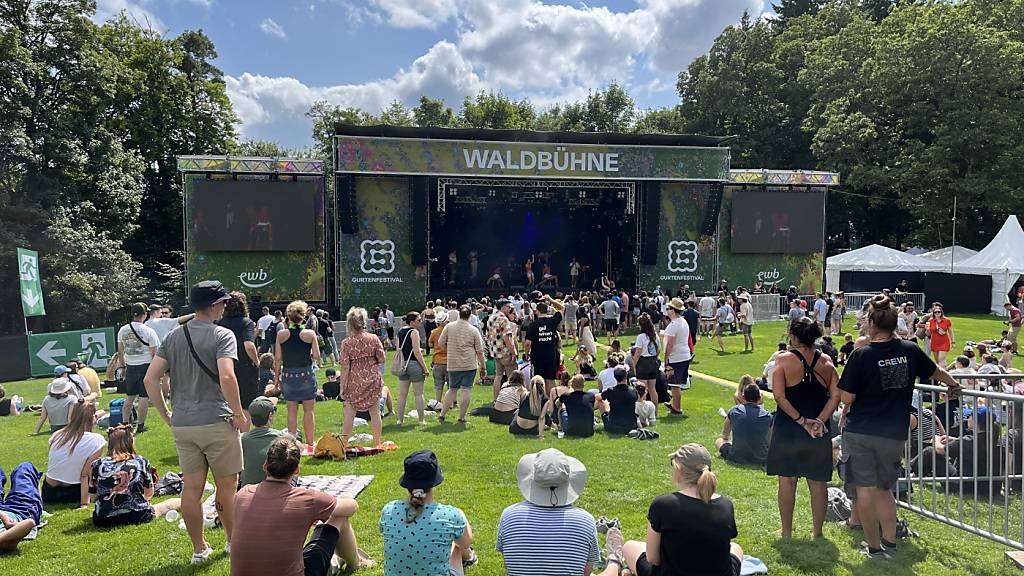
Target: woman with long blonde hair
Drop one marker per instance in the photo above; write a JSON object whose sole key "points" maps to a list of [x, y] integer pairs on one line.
{"points": [[529, 419], [689, 531], [73, 449], [123, 483], [294, 356]]}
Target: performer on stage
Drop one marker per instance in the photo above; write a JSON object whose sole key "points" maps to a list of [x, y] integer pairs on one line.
{"points": [[529, 272], [474, 261], [547, 278], [453, 264], [574, 273], [495, 280]]}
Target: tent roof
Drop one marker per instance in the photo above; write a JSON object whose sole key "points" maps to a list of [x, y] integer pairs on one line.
{"points": [[875, 258], [943, 254], [1005, 253]]}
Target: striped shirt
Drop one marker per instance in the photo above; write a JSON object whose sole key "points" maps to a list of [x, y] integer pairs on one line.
{"points": [[539, 541], [463, 343]]}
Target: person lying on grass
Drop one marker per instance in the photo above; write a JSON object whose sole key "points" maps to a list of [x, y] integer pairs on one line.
{"points": [[123, 484], [20, 509]]}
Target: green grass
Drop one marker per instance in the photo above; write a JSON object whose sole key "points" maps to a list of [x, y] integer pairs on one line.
{"points": [[479, 460]]}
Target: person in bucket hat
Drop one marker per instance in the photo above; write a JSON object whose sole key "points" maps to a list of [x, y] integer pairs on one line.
{"points": [[422, 536], [550, 483]]}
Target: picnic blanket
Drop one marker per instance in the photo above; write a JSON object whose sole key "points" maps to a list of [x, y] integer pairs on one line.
{"points": [[349, 486]]}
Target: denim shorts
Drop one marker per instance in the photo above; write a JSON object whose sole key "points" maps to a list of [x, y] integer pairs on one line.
{"points": [[298, 384], [461, 379], [413, 373]]}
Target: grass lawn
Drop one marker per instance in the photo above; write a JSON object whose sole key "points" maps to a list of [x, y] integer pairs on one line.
{"points": [[478, 461]]}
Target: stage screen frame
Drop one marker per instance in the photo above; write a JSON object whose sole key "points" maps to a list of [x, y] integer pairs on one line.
{"points": [[291, 206]]}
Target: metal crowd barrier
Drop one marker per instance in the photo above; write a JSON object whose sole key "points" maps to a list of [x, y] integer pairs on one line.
{"points": [[855, 300], [972, 482]]}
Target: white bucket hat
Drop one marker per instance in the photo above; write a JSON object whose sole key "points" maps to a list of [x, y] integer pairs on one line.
{"points": [[549, 478]]}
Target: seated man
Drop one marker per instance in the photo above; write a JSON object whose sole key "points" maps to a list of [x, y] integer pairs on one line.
{"points": [[550, 482], [255, 442], [21, 508], [744, 437], [618, 406], [384, 404], [273, 517], [332, 388]]}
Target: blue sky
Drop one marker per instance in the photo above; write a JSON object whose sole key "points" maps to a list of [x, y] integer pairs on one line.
{"points": [[281, 56]]}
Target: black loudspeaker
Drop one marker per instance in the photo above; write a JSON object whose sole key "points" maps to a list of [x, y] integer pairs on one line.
{"points": [[714, 206], [651, 224], [348, 215], [420, 199]]}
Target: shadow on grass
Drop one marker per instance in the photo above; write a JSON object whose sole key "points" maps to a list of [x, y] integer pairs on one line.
{"points": [[902, 564], [818, 556]]}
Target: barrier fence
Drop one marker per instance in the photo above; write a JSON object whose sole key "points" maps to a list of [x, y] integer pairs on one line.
{"points": [[773, 306], [964, 456]]}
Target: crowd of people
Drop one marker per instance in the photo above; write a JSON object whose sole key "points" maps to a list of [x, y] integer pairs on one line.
{"points": [[225, 374]]}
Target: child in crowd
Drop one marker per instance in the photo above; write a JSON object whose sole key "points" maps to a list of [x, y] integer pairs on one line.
{"points": [[123, 484], [266, 375], [331, 389], [646, 412], [846, 349]]}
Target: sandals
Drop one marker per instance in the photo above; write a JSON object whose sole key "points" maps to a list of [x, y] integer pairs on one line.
{"points": [[473, 559], [604, 524]]}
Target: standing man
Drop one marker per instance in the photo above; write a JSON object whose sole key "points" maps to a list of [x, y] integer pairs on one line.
{"points": [[439, 361], [207, 412], [474, 263], [1014, 321], [453, 265], [137, 344], [162, 322], [574, 273], [692, 318], [610, 312], [465, 349], [502, 342], [261, 330], [542, 345], [389, 324], [746, 318], [821, 312], [707, 314], [677, 353]]}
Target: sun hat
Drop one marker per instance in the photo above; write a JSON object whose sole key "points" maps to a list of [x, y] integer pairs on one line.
{"points": [[58, 386], [421, 471], [207, 293], [440, 315], [677, 304], [549, 478]]}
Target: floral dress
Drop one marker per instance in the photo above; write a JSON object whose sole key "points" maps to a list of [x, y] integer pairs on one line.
{"points": [[363, 354]]}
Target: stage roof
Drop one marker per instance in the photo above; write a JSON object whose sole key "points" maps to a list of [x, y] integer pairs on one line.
{"points": [[488, 134]]}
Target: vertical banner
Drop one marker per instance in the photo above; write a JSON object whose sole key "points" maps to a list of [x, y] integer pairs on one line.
{"points": [[376, 261], [684, 256], [31, 290]]}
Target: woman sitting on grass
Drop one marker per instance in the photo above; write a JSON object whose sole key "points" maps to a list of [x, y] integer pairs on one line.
{"points": [[57, 405], [504, 411], [529, 418], [9, 406], [123, 484], [689, 531], [585, 363], [73, 449]]}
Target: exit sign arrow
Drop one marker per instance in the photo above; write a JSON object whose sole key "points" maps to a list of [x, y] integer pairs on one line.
{"points": [[49, 353], [30, 298]]}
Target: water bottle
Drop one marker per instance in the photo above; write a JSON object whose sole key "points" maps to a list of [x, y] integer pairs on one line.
{"points": [[563, 422]]}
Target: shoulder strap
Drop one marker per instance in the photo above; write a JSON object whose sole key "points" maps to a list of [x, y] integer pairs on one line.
{"points": [[195, 355], [137, 337], [401, 347]]}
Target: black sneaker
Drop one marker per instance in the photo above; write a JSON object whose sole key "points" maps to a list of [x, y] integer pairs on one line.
{"points": [[141, 429], [872, 554]]}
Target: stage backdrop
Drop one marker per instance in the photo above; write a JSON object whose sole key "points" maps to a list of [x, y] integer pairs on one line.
{"points": [[266, 276], [376, 262], [412, 156], [805, 271], [684, 255]]}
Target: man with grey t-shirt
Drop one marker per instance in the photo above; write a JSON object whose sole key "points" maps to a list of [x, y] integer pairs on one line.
{"points": [[207, 411]]}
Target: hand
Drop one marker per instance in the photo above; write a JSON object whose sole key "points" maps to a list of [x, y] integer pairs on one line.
{"points": [[238, 421], [813, 427], [6, 521], [167, 417]]}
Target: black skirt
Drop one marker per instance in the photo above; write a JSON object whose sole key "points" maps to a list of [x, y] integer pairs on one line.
{"points": [[792, 452]]}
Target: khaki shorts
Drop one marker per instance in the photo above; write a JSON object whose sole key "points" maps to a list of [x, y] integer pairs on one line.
{"points": [[217, 447]]}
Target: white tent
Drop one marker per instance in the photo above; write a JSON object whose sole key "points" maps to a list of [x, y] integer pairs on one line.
{"points": [[875, 258], [958, 253], [1003, 259]]}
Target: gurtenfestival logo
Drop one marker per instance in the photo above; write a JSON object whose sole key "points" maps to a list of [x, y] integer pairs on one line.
{"points": [[377, 256], [682, 256]]}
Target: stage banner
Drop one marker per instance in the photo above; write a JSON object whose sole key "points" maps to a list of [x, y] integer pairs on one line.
{"points": [[262, 276], [685, 257], [805, 271], [379, 155], [376, 262]]}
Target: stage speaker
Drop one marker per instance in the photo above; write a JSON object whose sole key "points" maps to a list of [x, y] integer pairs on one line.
{"points": [[348, 215], [651, 222], [420, 212], [714, 206]]}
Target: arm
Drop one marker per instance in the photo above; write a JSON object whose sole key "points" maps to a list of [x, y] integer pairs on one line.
{"points": [[727, 429], [944, 377], [42, 418], [14, 532], [556, 304], [670, 341], [653, 546], [417, 352], [84, 478], [526, 347], [466, 539], [157, 368], [833, 399], [314, 345], [278, 360], [510, 343], [229, 388], [250, 351], [183, 319]]}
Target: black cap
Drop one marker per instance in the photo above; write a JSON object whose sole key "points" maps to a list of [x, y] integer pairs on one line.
{"points": [[207, 293], [421, 471], [501, 303]]}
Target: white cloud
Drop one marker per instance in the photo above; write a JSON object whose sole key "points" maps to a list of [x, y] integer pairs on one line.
{"points": [[136, 13], [272, 28], [526, 48]]}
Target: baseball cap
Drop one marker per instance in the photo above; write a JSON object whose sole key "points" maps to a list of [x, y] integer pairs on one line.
{"points": [[61, 370], [260, 409], [207, 293]]}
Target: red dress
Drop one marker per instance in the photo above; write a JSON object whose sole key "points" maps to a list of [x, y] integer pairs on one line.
{"points": [[363, 353], [939, 342]]}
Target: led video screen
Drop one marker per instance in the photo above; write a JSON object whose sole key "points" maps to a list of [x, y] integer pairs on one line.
{"points": [[253, 216], [777, 222]]}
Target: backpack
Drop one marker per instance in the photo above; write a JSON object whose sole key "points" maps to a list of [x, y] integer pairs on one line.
{"points": [[839, 507], [117, 412]]}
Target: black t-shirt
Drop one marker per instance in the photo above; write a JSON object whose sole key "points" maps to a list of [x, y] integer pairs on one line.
{"points": [[543, 337], [5, 407], [332, 389], [695, 536], [882, 375], [655, 314], [270, 334], [847, 348], [692, 318], [244, 330], [580, 406], [622, 408]]}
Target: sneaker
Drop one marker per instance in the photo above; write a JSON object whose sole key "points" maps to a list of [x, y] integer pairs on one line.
{"points": [[141, 429], [307, 450], [723, 413], [613, 542], [880, 554], [685, 385], [200, 557]]}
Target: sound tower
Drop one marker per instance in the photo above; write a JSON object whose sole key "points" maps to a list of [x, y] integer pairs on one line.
{"points": [[714, 206], [348, 215], [420, 214], [651, 222]]}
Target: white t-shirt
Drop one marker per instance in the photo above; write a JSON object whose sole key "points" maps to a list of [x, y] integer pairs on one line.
{"points": [[137, 353], [747, 312], [574, 269], [707, 307], [162, 326], [611, 309], [607, 378], [264, 322], [680, 351], [647, 348], [820, 310], [66, 466]]}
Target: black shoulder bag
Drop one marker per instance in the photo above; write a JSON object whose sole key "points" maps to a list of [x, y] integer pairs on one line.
{"points": [[192, 349], [137, 337]]}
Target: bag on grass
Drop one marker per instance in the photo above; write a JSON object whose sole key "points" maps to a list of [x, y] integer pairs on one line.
{"points": [[839, 507], [117, 413], [329, 446]]}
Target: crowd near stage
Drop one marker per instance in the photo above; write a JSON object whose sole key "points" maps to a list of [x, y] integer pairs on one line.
{"points": [[426, 213]]}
